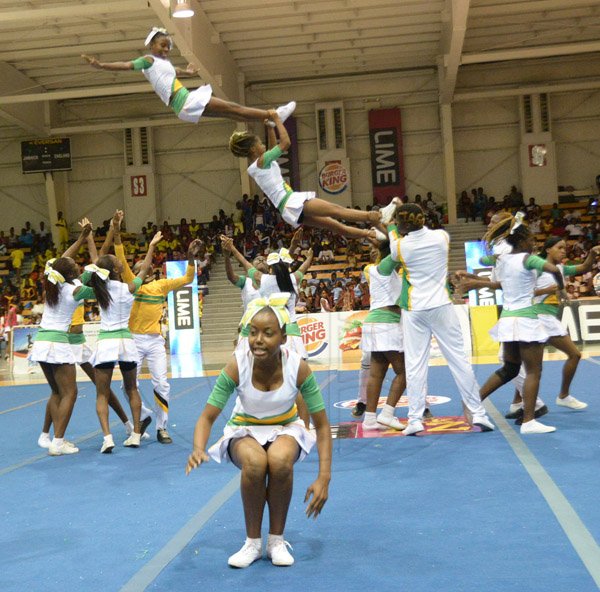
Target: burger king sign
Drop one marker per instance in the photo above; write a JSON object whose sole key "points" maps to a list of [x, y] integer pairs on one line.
{"points": [[314, 335], [333, 177]]}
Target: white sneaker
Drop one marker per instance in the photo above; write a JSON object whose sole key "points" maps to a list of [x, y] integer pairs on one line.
{"points": [[278, 554], [133, 441], [44, 440], [536, 427], [391, 421], [107, 445], [371, 426], [246, 556], [484, 423], [284, 111], [64, 448], [414, 427], [387, 213], [570, 402], [145, 436]]}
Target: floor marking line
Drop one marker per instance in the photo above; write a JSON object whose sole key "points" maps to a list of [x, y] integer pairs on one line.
{"points": [[580, 537], [23, 406], [592, 360], [145, 576], [84, 438]]}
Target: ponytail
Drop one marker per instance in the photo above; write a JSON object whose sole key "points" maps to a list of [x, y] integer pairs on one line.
{"points": [[99, 284], [240, 143], [283, 276]]}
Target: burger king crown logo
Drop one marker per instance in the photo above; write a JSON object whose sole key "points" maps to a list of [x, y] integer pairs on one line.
{"points": [[314, 335], [333, 177]]}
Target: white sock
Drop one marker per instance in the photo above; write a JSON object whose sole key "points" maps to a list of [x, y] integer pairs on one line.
{"points": [[128, 426], [387, 410], [370, 417], [255, 542], [58, 442], [274, 538], [516, 406], [107, 437], [539, 404], [45, 435]]}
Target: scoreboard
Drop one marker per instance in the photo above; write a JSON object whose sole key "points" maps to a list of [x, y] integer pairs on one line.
{"points": [[48, 154]]}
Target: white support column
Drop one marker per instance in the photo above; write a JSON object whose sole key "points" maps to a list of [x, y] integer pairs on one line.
{"points": [[449, 174], [241, 127], [57, 196]]}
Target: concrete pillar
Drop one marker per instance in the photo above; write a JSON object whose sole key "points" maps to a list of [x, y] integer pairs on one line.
{"points": [[448, 156]]}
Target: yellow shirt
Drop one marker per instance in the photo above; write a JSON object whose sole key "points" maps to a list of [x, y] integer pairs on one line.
{"points": [[149, 299]]}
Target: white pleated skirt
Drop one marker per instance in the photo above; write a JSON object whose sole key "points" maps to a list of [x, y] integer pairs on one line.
{"points": [[509, 329], [52, 352], [552, 325], [382, 337], [121, 349], [294, 207], [263, 434]]}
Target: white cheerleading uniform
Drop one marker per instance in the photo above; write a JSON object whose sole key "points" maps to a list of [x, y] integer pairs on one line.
{"points": [[289, 203], [519, 320], [163, 77], [115, 343], [265, 415], [382, 328], [249, 293], [51, 344], [427, 310], [548, 306]]}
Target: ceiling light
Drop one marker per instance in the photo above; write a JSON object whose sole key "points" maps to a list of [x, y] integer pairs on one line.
{"points": [[182, 9]]}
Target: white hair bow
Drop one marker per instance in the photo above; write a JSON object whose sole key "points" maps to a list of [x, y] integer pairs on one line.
{"points": [[281, 255], [276, 302], [154, 32], [519, 217], [104, 274]]}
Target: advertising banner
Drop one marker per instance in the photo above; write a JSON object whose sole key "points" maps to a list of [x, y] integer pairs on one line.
{"points": [[334, 337], [184, 320], [474, 251], [387, 166]]}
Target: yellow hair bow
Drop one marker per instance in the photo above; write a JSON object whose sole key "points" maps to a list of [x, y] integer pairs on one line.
{"points": [[104, 274], [55, 277], [276, 302], [281, 255], [48, 268]]}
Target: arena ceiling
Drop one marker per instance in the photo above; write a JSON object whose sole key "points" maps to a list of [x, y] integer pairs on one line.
{"points": [[237, 42]]}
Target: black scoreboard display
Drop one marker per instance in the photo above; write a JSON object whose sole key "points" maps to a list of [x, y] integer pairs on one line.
{"points": [[49, 154]]}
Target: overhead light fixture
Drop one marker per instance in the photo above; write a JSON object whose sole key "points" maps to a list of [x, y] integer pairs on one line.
{"points": [[182, 9]]}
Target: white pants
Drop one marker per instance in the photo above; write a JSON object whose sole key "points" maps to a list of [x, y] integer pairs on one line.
{"points": [[442, 322], [151, 348]]}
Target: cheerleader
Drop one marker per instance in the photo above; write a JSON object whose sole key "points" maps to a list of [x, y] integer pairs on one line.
{"points": [[382, 338], [51, 348], [115, 343], [264, 437], [546, 304], [277, 279], [519, 329], [297, 207], [188, 106]]}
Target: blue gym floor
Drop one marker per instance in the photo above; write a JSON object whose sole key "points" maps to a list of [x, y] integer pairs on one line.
{"points": [[473, 511]]}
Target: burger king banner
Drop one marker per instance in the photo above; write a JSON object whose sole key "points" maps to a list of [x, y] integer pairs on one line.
{"points": [[334, 337], [334, 180]]}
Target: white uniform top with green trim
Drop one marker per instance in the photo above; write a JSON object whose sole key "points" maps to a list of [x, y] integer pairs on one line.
{"points": [[161, 76], [518, 273], [269, 178], [58, 318], [116, 316], [254, 407], [249, 292], [268, 286], [384, 287], [424, 257], [549, 303]]}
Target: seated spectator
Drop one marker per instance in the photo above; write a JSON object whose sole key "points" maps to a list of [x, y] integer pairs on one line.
{"points": [[336, 292], [574, 228], [326, 255], [325, 301], [17, 255]]}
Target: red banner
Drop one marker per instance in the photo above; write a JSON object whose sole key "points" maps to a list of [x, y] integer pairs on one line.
{"points": [[387, 166]]}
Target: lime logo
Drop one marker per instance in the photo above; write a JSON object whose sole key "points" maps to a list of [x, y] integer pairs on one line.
{"points": [[333, 177], [313, 335]]}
